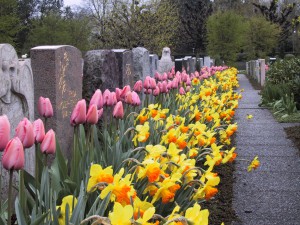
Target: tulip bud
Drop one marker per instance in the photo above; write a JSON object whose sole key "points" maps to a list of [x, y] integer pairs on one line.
{"points": [[97, 99], [135, 99], [138, 86], [165, 76], [24, 132], [38, 131], [79, 113], [181, 91], [152, 83], [128, 97], [45, 107], [106, 95], [112, 100], [100, 113], [48, 145], [13, 156], [4, 132], [92, 115], [118, 94], [125, 90], [147, 82], [118, 110], [156, 91]]}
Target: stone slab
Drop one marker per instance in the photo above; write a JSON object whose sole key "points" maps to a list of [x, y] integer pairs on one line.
{"points": [[57, 72], [153, 64], [141, 63], [125, 67]]}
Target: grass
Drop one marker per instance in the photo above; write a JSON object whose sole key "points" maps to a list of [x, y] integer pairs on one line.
{"points": [[285, 118]]}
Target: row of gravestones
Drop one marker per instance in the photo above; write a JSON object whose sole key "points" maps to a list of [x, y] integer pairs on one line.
{"points": [[60, 74], [191, 64], [257, 70]]}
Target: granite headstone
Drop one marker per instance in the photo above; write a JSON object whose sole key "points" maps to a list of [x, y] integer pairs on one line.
{"points": [[125, 67], [141, 63], [153, 64], [57, 73]]}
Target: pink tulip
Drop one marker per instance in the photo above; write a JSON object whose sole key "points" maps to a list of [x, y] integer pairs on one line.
{"points": [[128, 97], [157, 76], [169, 85], [188, 88], [135, 99], [156, 91], [165, 76], [48, 145], [148, 91], [112, 100], [4, 132], [100, 113], [79, 113], [118, 93], [125, 90], [163, 87], [181, 91], [170, 75], [175, 83], [13, 156], [92, 114], [97, 99], [118, 110], [138, 86], [24, 132], [152, 83], [188, 81], [106, 96], [38, 130], [45, 107], [147, 82]]}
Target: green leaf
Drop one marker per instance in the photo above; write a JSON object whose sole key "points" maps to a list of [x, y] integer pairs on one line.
{"points": [[40, 219], [19, 213]]}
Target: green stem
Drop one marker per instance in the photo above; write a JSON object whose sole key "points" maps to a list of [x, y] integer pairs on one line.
{"points": [[45, 124], [36, 174], [9, 197], [45, 160]]}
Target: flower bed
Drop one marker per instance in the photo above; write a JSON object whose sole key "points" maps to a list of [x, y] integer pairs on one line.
{"points": [[149, 162]]}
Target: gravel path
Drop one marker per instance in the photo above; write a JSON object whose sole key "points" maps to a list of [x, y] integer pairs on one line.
{"points": [[269, 195]]}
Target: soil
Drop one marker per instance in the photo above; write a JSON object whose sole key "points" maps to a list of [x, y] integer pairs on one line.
{"points": [[220, 207], [293, 133]]}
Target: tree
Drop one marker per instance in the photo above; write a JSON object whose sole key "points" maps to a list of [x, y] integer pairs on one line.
{"points": [[9, 21], [281, 14], [152, 25], [193, 17], [262, 37], [226, 34]]}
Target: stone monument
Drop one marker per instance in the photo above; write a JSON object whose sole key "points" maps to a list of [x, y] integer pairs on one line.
{"points": [[207, 61], [141, 63], [125, 67], [57, 74], [16, 98], [262, 71], [153, 64], [100, 71], [165, 64], [178, 65]]}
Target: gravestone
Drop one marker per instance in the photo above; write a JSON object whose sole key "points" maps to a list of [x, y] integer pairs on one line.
{"points": [[262, 72], [125, 67], [57, 74], [247, 68], [201, 62], [192, 65], [153, 64], [141, 63], [178, 65], [16, 100], [100, 71], [207, 61], [257, 70], [165, 64]]}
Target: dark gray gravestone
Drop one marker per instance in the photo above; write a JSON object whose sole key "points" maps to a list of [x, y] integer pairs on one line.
{"points": [[153, 64], [201, 62], [57, 75], [125, 67], [191, 65], [141, 63], [100, 71], [178, 65]]}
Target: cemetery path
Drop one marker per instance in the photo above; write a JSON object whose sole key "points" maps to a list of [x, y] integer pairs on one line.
{"points": [[269, 195]]}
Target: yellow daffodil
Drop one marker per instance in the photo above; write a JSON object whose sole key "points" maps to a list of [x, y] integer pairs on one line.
{"points": [[254, 164], [142, 133], [99, 175], [196, 215], [249, 116], [121, 215], [69, 200]]}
